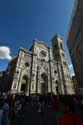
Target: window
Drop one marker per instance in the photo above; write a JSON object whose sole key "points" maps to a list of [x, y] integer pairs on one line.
{"points": [[55, 71], [32, 86], [55, 47], [63, 54], [61, 45], [43, 60], [56, 82], [64, 63], [43, 54], [57, 90], [26, 64]]}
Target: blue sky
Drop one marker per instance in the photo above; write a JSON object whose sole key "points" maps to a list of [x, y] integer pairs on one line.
{"points": [[21, 21]]}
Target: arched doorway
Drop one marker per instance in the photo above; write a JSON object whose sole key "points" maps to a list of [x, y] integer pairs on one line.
{"points": [[44, 83], [24, 85]]}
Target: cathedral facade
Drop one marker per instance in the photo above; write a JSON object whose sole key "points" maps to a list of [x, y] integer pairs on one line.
{"points": [[42, 69]]}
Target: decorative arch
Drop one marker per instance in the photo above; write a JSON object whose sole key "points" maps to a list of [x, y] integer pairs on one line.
{"points": [[25, 83], [44, 83]]}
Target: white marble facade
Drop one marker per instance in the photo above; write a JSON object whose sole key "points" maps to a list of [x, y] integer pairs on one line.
{"points": [[42, 69]]}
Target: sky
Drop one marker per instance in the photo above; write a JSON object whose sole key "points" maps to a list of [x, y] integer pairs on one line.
{"points": [[21, 21]]}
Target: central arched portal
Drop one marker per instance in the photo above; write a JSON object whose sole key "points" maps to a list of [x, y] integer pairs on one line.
{"points": [[24, 85], [44, 83]]}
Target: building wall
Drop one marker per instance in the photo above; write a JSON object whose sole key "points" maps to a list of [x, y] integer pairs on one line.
{"points": [[76, 84], [75, 42]]}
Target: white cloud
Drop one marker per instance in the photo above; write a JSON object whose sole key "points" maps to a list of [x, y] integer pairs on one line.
{"points": [[73, 74], [70, 66], [5, 53], [71, 70]]}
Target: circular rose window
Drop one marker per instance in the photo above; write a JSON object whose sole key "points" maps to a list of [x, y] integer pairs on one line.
{"points": [[26, 64], [43, 54]]}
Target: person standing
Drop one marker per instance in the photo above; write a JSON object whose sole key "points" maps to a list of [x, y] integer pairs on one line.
{"points": [[1, 111], [5, 112]]}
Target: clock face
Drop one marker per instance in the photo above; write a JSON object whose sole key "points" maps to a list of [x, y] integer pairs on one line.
{"points": [[43, 53]]}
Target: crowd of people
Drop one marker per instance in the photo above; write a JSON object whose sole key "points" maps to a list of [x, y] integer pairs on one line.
{"points": [[48, 109]]}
